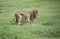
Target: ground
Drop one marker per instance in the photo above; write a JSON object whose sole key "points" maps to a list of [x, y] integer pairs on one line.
{"points": [[47, 24]]}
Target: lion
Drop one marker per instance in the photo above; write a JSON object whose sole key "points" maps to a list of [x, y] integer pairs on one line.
{"points": [[23, 17]]}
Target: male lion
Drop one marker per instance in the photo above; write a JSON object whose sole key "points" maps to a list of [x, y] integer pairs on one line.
{"points": [[23, 17]]}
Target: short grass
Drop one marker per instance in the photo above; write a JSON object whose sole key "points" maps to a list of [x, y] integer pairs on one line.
{"points": [[47, 24]]}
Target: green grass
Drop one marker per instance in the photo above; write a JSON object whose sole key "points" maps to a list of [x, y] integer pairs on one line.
{"points": [[47, 24]]}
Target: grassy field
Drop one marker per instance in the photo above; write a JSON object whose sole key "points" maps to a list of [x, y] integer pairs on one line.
{"points": [[47, 24]]}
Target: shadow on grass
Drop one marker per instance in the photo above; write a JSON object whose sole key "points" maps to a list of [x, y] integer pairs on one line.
{"points": [[49, 24]]}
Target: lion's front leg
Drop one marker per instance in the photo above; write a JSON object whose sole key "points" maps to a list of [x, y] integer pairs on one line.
{"points": [[32, 21]]}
